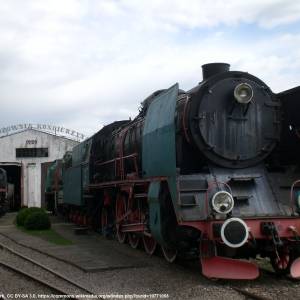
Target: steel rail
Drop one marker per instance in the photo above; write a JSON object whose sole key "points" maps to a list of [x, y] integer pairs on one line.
{"points": [[6, 248], [43, 252], [269, 273], [34, 278], [249, 294], [238, 290]]}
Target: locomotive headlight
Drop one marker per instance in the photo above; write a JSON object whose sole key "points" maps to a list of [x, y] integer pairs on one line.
{"points": [[243, 93], [222, 202]]}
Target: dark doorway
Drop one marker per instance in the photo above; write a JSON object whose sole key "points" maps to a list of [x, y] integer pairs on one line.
{"points": [[14, 185], [44, 169]]}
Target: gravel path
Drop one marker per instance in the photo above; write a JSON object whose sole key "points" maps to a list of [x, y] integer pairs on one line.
{"points": [[36, 271], [271, 287], [12, 283], [159, 278], [154, 276]]}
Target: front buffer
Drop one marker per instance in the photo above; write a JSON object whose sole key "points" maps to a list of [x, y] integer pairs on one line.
{"points": [[224, 245]]}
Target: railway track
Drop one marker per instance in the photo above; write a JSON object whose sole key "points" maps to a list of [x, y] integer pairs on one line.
{"points": [[36, 264], [35, 279], [269, 276], [259, 289], [246, 292], [250, 295], [42, 252]]}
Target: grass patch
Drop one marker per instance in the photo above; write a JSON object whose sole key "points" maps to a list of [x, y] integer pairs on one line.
{"points": [[49, 235]]}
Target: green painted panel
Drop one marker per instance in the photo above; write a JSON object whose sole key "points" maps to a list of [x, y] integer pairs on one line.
{"points": [[155, 212], [81, 152], [73, 186], [172, 183], [159, 154]]}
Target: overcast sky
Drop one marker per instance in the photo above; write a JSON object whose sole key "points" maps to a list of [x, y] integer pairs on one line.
{"points": [[85, 63]]}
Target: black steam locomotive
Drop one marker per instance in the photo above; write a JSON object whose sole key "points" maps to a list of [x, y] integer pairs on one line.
{"points": [[212, 172]]}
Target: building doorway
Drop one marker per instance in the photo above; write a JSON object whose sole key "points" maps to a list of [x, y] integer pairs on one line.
{"points": [[44, 170], [14, 179]]}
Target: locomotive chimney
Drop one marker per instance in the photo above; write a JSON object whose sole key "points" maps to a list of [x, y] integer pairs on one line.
{"points": [[209, 70]]}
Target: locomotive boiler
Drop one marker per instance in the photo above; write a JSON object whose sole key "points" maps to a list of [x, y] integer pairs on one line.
{"points": [[203, 173]]}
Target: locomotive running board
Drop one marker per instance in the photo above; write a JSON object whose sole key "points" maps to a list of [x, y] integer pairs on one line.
{"points": [[295, 268], [227, 268]]}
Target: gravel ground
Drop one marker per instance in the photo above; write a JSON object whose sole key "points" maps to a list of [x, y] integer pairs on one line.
{"points": [[151, 276], [7, 219], [8, 284], [271, 287], [36, 271], [159, 278]]}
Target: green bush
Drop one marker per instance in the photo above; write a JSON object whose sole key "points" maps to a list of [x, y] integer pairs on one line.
{"points": [[37, 221], [21, 216], [25, 212]]}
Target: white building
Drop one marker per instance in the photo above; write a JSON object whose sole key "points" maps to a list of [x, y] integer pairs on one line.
{"points": [[24, 155]]}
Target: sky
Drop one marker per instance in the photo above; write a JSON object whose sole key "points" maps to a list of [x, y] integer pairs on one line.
{"points": [[82, 64]]}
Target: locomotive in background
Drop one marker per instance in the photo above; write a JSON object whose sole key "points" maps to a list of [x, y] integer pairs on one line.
{"points": [[4, 205], [212, 172]]}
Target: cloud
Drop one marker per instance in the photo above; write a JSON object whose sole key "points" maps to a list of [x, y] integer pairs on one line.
{"points": [[205, 13], [83, 64]]}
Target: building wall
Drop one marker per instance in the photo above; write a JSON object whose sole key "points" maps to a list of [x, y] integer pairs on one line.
{"points": [[31, 167]]}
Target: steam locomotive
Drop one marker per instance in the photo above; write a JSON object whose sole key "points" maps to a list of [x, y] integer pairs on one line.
{"points": [[3, 192], [211, 173]]}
